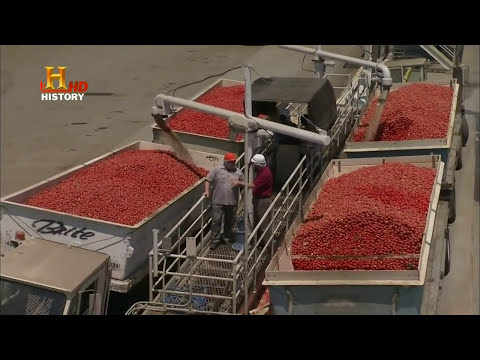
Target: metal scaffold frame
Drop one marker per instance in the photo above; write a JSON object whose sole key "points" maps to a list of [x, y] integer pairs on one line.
{"points": [[187, 277]]}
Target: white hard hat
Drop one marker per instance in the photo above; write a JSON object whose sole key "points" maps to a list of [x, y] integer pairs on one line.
{"points": [[259, 159]]}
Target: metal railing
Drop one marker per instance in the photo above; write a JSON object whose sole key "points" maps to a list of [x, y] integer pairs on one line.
{"points": [[348, 82], [348, 105], [448, 50], [220, 281], [261, 246]]}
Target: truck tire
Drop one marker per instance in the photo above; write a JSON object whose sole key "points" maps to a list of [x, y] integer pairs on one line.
{"points": [[446, 269], [452, 208], [465, 130], [459, 158]]}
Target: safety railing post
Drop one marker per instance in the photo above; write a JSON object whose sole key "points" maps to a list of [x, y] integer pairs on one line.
{"points": [[287, 206], [245, 282], [272, 232], [201, 224], [254, 280], [179, 237], [300, 190], [150, 278], [234, 288], [155, 233]]}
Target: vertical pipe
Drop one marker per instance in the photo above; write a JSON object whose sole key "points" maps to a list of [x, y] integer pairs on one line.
{"points": [[458, 74], [318, 64], [249, 140], [247, 203], [458, 55], [369, 52], [248, 91], [247, 190], [249, 152]]}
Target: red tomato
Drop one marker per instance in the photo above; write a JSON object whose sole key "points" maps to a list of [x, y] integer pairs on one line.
{"points": [[414, 112], [373, 211], [124, 188]]}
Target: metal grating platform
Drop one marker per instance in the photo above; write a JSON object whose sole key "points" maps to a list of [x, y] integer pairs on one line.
{"points": [[216, 270], [212, 286]]}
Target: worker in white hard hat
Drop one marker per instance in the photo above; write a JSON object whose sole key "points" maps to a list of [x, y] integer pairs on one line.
{"points": [[262, 192]]}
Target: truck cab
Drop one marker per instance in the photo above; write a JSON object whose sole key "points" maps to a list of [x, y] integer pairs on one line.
{"points": [[41, 277]]}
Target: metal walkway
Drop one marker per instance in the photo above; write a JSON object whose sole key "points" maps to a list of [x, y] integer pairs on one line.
{"points": [[187, 277]]}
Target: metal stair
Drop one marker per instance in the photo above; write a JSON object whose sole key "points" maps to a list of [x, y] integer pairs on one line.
{"points": [[443, 54]]}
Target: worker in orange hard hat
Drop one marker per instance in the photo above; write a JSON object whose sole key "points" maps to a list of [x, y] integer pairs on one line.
{"points": [[230, 157], [224, 199]]}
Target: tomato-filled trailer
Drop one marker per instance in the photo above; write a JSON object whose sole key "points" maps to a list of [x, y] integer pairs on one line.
{"points": [[441, 145], [127, 245], [449, 147], [318, 292], [200, 140]]}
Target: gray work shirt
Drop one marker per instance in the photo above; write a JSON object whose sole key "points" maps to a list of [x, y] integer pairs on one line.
{"points": [[223, 192]]}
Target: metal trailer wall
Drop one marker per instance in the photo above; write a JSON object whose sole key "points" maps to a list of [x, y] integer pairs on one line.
{"points": [[361, 292], [372, 300], [202, 142], [441, 146], [128, 246]]}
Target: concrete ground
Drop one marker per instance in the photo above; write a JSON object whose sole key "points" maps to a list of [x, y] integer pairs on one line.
{"points": [[40, 139], [460, 289]]}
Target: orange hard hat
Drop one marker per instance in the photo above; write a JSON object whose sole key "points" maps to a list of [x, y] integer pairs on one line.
{"points": [[230, 157]]}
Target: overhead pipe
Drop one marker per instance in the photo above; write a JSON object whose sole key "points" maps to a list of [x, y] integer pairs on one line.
{"points": [[161, 107], [382, 70]]}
